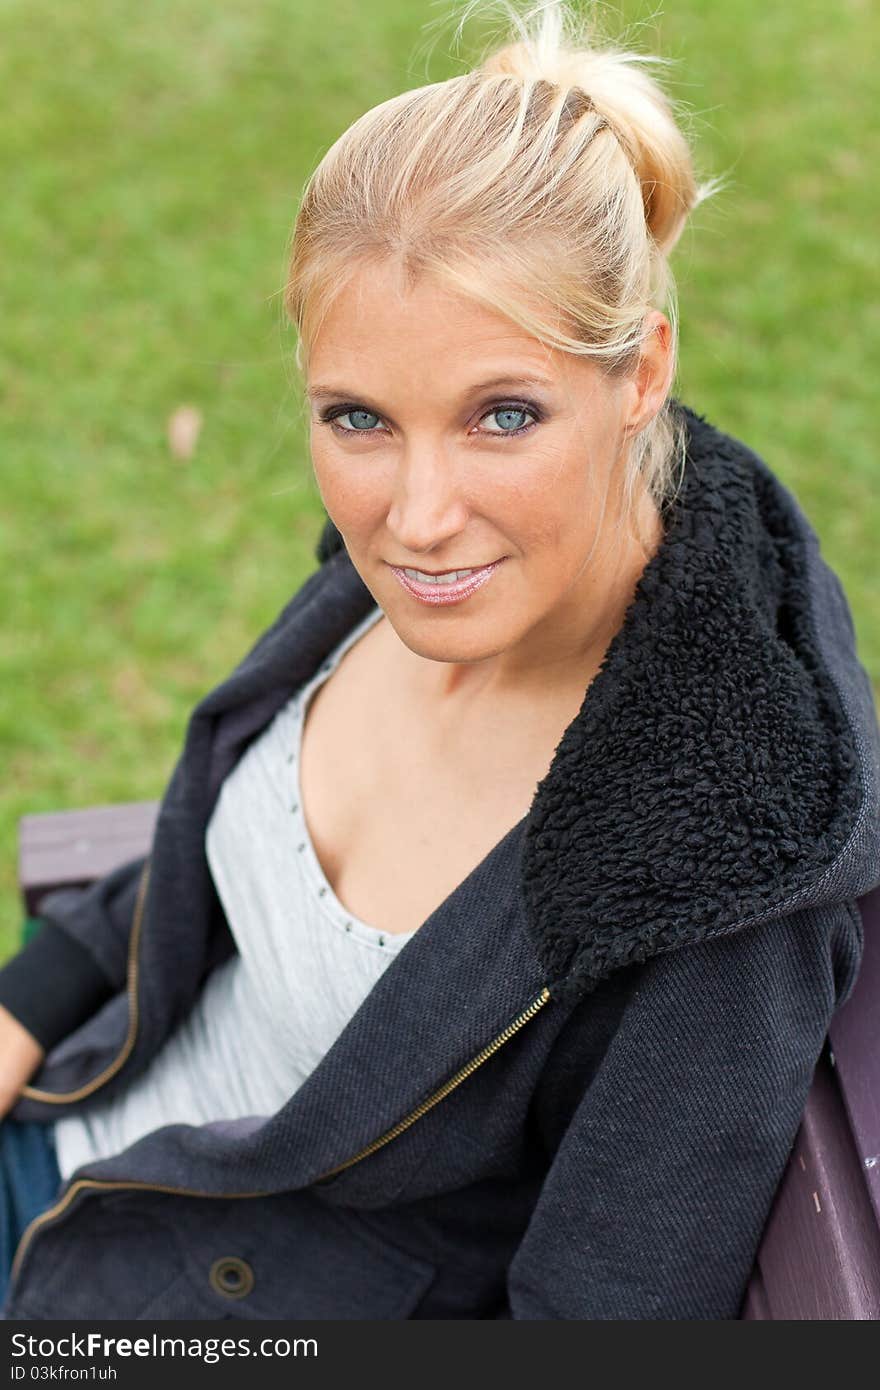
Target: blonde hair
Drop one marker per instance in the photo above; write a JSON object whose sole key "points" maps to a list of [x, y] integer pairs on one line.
{"points": [[549, 183]]}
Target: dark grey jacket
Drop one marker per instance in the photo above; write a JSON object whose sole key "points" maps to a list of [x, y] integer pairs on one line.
{"points": [[574, 1093]]}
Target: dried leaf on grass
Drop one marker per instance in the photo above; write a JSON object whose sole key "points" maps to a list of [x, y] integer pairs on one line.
{"points": [[184, 427]]}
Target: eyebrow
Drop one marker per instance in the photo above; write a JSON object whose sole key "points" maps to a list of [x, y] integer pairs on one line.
{"points": [[322, 392]]}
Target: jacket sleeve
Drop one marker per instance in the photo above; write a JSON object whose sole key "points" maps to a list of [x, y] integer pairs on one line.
{"points": [[78, 957], [656, 1197]]}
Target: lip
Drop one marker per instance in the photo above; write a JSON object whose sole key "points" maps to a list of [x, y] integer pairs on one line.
{"points": [[436, 594]]}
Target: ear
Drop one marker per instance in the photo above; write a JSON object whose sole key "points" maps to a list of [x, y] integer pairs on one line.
{"points": [[653, 377]]}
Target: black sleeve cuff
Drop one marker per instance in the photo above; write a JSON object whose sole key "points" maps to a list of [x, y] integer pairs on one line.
{"points": [[53, 985]]}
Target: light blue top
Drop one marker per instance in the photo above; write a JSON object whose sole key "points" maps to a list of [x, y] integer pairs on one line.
{"points": [[304, 963]]}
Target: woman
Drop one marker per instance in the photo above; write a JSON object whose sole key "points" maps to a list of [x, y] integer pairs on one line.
{"points": [[494, 986]]}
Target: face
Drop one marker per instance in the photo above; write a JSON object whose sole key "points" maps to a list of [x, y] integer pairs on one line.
{"points": [[445, 437]]}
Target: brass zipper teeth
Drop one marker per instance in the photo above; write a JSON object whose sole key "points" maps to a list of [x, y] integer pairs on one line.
{"points": [[448, 1086], [63, 1097], [81, 1183]]}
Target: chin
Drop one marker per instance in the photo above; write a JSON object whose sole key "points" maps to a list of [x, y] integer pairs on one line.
{"points": [[447, 640]]}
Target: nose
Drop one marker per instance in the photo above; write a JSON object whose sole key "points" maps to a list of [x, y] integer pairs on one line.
{"points": [[427, 507]]}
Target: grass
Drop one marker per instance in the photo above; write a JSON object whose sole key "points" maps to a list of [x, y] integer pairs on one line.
{"points": [[157, 154]]}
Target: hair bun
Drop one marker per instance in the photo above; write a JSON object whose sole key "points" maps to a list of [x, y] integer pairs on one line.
{"points": [[615, 83]]}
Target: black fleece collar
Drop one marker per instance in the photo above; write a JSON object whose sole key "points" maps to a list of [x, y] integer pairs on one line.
{"points": [[712, 773]]}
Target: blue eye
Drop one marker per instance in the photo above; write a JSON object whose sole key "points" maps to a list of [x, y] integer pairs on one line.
{"points": [[361, 419], [509, 410], [355, 415]]}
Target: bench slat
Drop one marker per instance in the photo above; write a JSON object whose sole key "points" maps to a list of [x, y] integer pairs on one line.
{"points": [[59, 849], [820, 1253], [855, 1042]]}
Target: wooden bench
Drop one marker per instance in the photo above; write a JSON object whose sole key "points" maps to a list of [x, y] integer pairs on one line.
{"points": [[820, 1253]]}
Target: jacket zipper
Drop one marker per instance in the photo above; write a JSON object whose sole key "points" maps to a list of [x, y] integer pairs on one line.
{"points": [[81, 1184], [62, 1097], [537, 1003]]}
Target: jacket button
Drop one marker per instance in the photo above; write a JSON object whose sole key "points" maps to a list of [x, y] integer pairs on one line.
{"points": [[231, 1277]]}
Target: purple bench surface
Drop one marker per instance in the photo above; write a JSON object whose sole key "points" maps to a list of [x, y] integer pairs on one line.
{"points": [[72, 848], [820, 1254]]}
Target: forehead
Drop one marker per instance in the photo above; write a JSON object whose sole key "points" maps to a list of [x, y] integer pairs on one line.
{"points": [[373, 305], [378, 330]]}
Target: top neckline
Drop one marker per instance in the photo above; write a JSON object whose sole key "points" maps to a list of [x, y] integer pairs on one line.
{"points": [[342, 917]]}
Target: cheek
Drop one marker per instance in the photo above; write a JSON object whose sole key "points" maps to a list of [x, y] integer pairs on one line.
{"points": [[351, 494], [551, 509]]}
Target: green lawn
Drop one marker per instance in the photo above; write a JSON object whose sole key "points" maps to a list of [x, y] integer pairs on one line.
{"points": [[154, 158]]}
